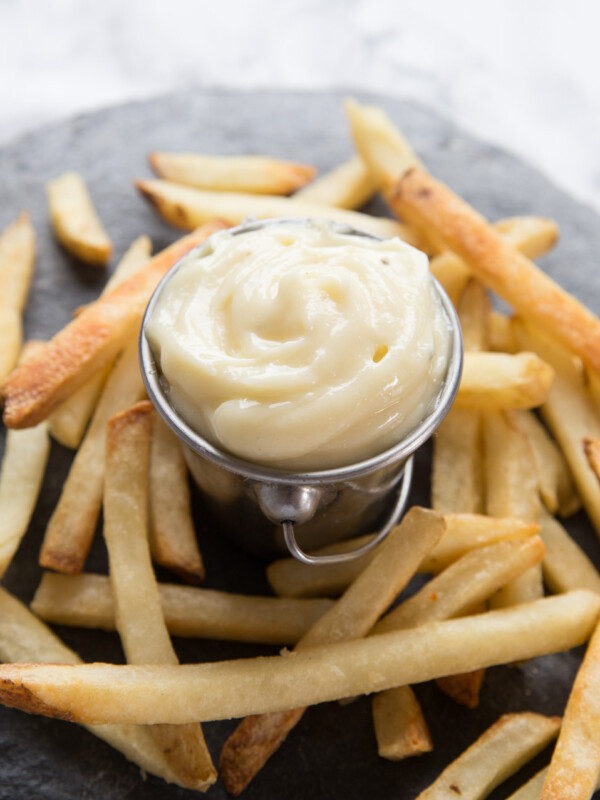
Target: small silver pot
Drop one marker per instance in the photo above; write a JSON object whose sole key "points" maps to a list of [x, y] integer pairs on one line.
{"points": [[259, 507]]}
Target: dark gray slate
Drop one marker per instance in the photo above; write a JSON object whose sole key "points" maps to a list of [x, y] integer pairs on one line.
{"points": [[332, 753]]}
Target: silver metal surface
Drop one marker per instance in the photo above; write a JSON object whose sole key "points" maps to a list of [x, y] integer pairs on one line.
{"points": [[329, 505]]}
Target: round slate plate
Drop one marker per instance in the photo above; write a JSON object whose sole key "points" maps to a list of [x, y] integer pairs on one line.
{"points": [[332, 753]]}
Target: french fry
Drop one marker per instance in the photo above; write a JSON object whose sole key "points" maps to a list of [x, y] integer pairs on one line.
{"points": [[17, 257], [75, 221], [21, 476], [569, 413], [100, 693], [565, 565], [501, 380], [348, 186], [532, 789], [254, 174], [532, 236], [187, 208], [448, 221], [173, 540], [466, 583], [400, 726], [575, 766], [71, 527], [69, 421], [86, 601], [457, 467], [380, 144], [464, 532], [138, 612], [498, 753], [257, 737], [511, 491], [501, 335], [90, 341], [555, 484], [23, 637]]}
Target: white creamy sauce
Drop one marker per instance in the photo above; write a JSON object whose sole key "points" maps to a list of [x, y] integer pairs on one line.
{"points": [[300, 347]]}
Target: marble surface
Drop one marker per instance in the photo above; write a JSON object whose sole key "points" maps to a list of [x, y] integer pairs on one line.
{"points": [[522, 75]]}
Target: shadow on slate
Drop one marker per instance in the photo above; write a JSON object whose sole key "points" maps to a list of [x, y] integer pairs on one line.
{"points": [[332, 752]]}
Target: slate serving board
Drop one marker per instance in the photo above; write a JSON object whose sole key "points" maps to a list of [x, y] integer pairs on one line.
{"points": [[332, 752]]}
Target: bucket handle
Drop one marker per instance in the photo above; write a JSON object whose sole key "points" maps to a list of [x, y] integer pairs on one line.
{"points": [[350, 555]]}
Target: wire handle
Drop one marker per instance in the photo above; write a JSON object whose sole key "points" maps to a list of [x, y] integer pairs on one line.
{"points": [[350, 555]]}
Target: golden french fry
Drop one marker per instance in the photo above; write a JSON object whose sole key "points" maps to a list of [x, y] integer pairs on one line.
{"points": [[565, 565], [575, 766], [172, 534], [591, 448], [254, 174], [469, 581], [71, 527], [554, 477], [75, 221], [498, 753], [186, 208], [90, 341], [85, 600], [511, 491], [464, 532], [569, 413], [350, 186], [473, 310], [17, 257], [463, 688], [501, 380], [23, 637], [400, 726], [138, 611], [99, 693], [449, 222], [380, 144], [501, 335], [23, 467], [256, 738], [456, 472]]}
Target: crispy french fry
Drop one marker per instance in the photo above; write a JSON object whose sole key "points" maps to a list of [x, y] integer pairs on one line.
{"points": [[575, 766], [17, 257], [86, 601], [501, 335], [380, 144], [23, 637], [348, 186], [511, 491], [532, 236], [172, 534], [464, 532], [463, 688], [254, 174], [186, 208], [99, 693], [565, 565], [71, 528], [257, 737], [75, 221], [400, 726], [569, 413], [501, 380], [469, 581], [498, 753], [90, 341], [442, 216], [473, 312], [23, 467], [554, 477], [138, 612]]}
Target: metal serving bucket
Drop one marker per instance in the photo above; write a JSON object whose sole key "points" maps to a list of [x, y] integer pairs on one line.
{"points": [[259, 507]]}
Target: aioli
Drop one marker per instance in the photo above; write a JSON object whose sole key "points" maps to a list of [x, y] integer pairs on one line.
{"points": [[301, 347]]}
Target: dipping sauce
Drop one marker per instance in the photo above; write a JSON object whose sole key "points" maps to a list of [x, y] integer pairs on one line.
{"points": [[299, 346]]}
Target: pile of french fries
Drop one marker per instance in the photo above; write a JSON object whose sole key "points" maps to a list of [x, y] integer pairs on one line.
{"points": [[520, 446]]}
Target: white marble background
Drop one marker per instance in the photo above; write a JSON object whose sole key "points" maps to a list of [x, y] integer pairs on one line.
{"points": [[522, 73]]}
